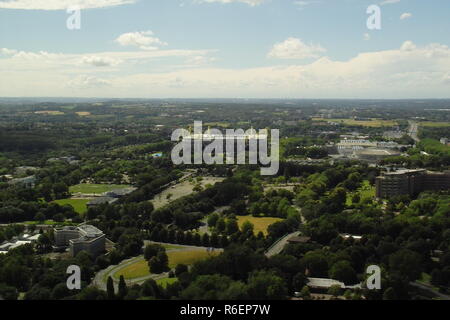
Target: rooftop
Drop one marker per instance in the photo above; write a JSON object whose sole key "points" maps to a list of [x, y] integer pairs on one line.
{"points": [[327, 283], [102, 200]]}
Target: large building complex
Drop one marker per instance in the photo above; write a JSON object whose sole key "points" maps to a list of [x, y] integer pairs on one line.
{"points": [[81, 238], [410, 182]]}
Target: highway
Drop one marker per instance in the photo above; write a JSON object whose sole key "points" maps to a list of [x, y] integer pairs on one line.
{"points": [[413, 130]]}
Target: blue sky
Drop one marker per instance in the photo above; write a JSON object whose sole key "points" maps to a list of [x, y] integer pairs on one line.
{"points": [[225, 48]]}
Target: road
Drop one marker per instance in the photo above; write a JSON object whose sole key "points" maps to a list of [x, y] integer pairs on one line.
{"points": [[278, 246], [430, 290], [413, 130]]}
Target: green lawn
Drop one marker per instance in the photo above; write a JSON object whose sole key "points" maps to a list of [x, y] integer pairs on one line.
{"points": [[365, 191], [171, 246], [259, 223], [434, 124], [95, 188], [140, 268], [79, 205]]}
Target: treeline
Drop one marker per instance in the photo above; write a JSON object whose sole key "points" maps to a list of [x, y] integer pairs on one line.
{"points": [[26, 141], [435, 133]]}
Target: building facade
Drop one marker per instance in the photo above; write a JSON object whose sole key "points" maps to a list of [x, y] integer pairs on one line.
{"points": [[410, 182], [81, 238]]}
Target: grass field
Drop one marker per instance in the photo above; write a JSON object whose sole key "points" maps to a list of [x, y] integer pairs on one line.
{"points": [[375, 123], [171, 246], [95, 188], [83, 113], [140, 268], [79, 205], [365, 191], [259, 223], [434, 124], [50, 112]]}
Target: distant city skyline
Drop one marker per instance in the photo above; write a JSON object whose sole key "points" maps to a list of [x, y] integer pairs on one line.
{"points": [[282, 49]]}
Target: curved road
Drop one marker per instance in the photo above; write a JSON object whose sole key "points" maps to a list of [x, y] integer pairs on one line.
{"points": [[278, 246]]}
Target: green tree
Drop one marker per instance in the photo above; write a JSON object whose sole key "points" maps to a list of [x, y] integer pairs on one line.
{"points": [[221, 225], [110, 289], [406, 263], [334, 290], [343, 271], [304, 293], [39, 217], [266, 285], [247, 228], [123, 290], [231, 226], [299, 281], [152, 250]]}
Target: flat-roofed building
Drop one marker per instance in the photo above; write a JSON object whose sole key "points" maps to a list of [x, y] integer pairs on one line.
{"points": [[101, 200], [81, 238], [350, 143], [410, 182], [119, 193], [324, 283]]}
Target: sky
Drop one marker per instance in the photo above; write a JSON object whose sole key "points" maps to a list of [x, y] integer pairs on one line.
{"points": [[224, 49]]}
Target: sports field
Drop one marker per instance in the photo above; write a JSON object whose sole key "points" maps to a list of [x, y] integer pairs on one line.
{"points": [[259, 223], [95, 188]]}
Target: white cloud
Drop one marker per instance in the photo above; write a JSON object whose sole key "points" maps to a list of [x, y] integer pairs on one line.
{"points": [[200, 60], [140, 39], [302, 4], [410, 71], [293, 48], [408, 46], [7, 51], [85, 81], [99, 61], [405, 15], [389, 2], [251, 3], [60, 4]]}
